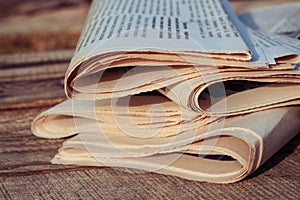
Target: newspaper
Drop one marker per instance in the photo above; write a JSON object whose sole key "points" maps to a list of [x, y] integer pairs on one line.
{"points": [[282, 19], [192, 94], [228, 96], [141, 46], [166, 138]]}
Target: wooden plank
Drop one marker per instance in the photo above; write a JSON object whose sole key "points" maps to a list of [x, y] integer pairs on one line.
{"points": [[26, 94], [20, 151], [28, 86], [34, 58], [16, 123], [33, 79], [115, 183]]}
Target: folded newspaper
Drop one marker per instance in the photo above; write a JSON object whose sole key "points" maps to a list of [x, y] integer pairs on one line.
{"points": [[227, 95], [186, 47]]}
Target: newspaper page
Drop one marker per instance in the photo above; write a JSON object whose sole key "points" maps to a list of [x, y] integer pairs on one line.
{"points": [[266, 45], [176, 26], [276, 49], [281, 19], [271, 25]]}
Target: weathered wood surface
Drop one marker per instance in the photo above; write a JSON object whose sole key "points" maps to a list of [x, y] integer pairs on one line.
{"points": [[28, 80], [25, 171], [30, 84]]}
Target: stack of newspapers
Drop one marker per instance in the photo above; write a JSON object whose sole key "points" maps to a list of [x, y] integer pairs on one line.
{"points": [[178, 87]]}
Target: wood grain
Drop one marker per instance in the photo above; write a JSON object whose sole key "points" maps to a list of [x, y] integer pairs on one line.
{"points": [[26, 172], [29, 80], [32, 83]]}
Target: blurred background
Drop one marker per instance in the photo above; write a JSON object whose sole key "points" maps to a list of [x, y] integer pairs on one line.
{"points": [[45, 25]]}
